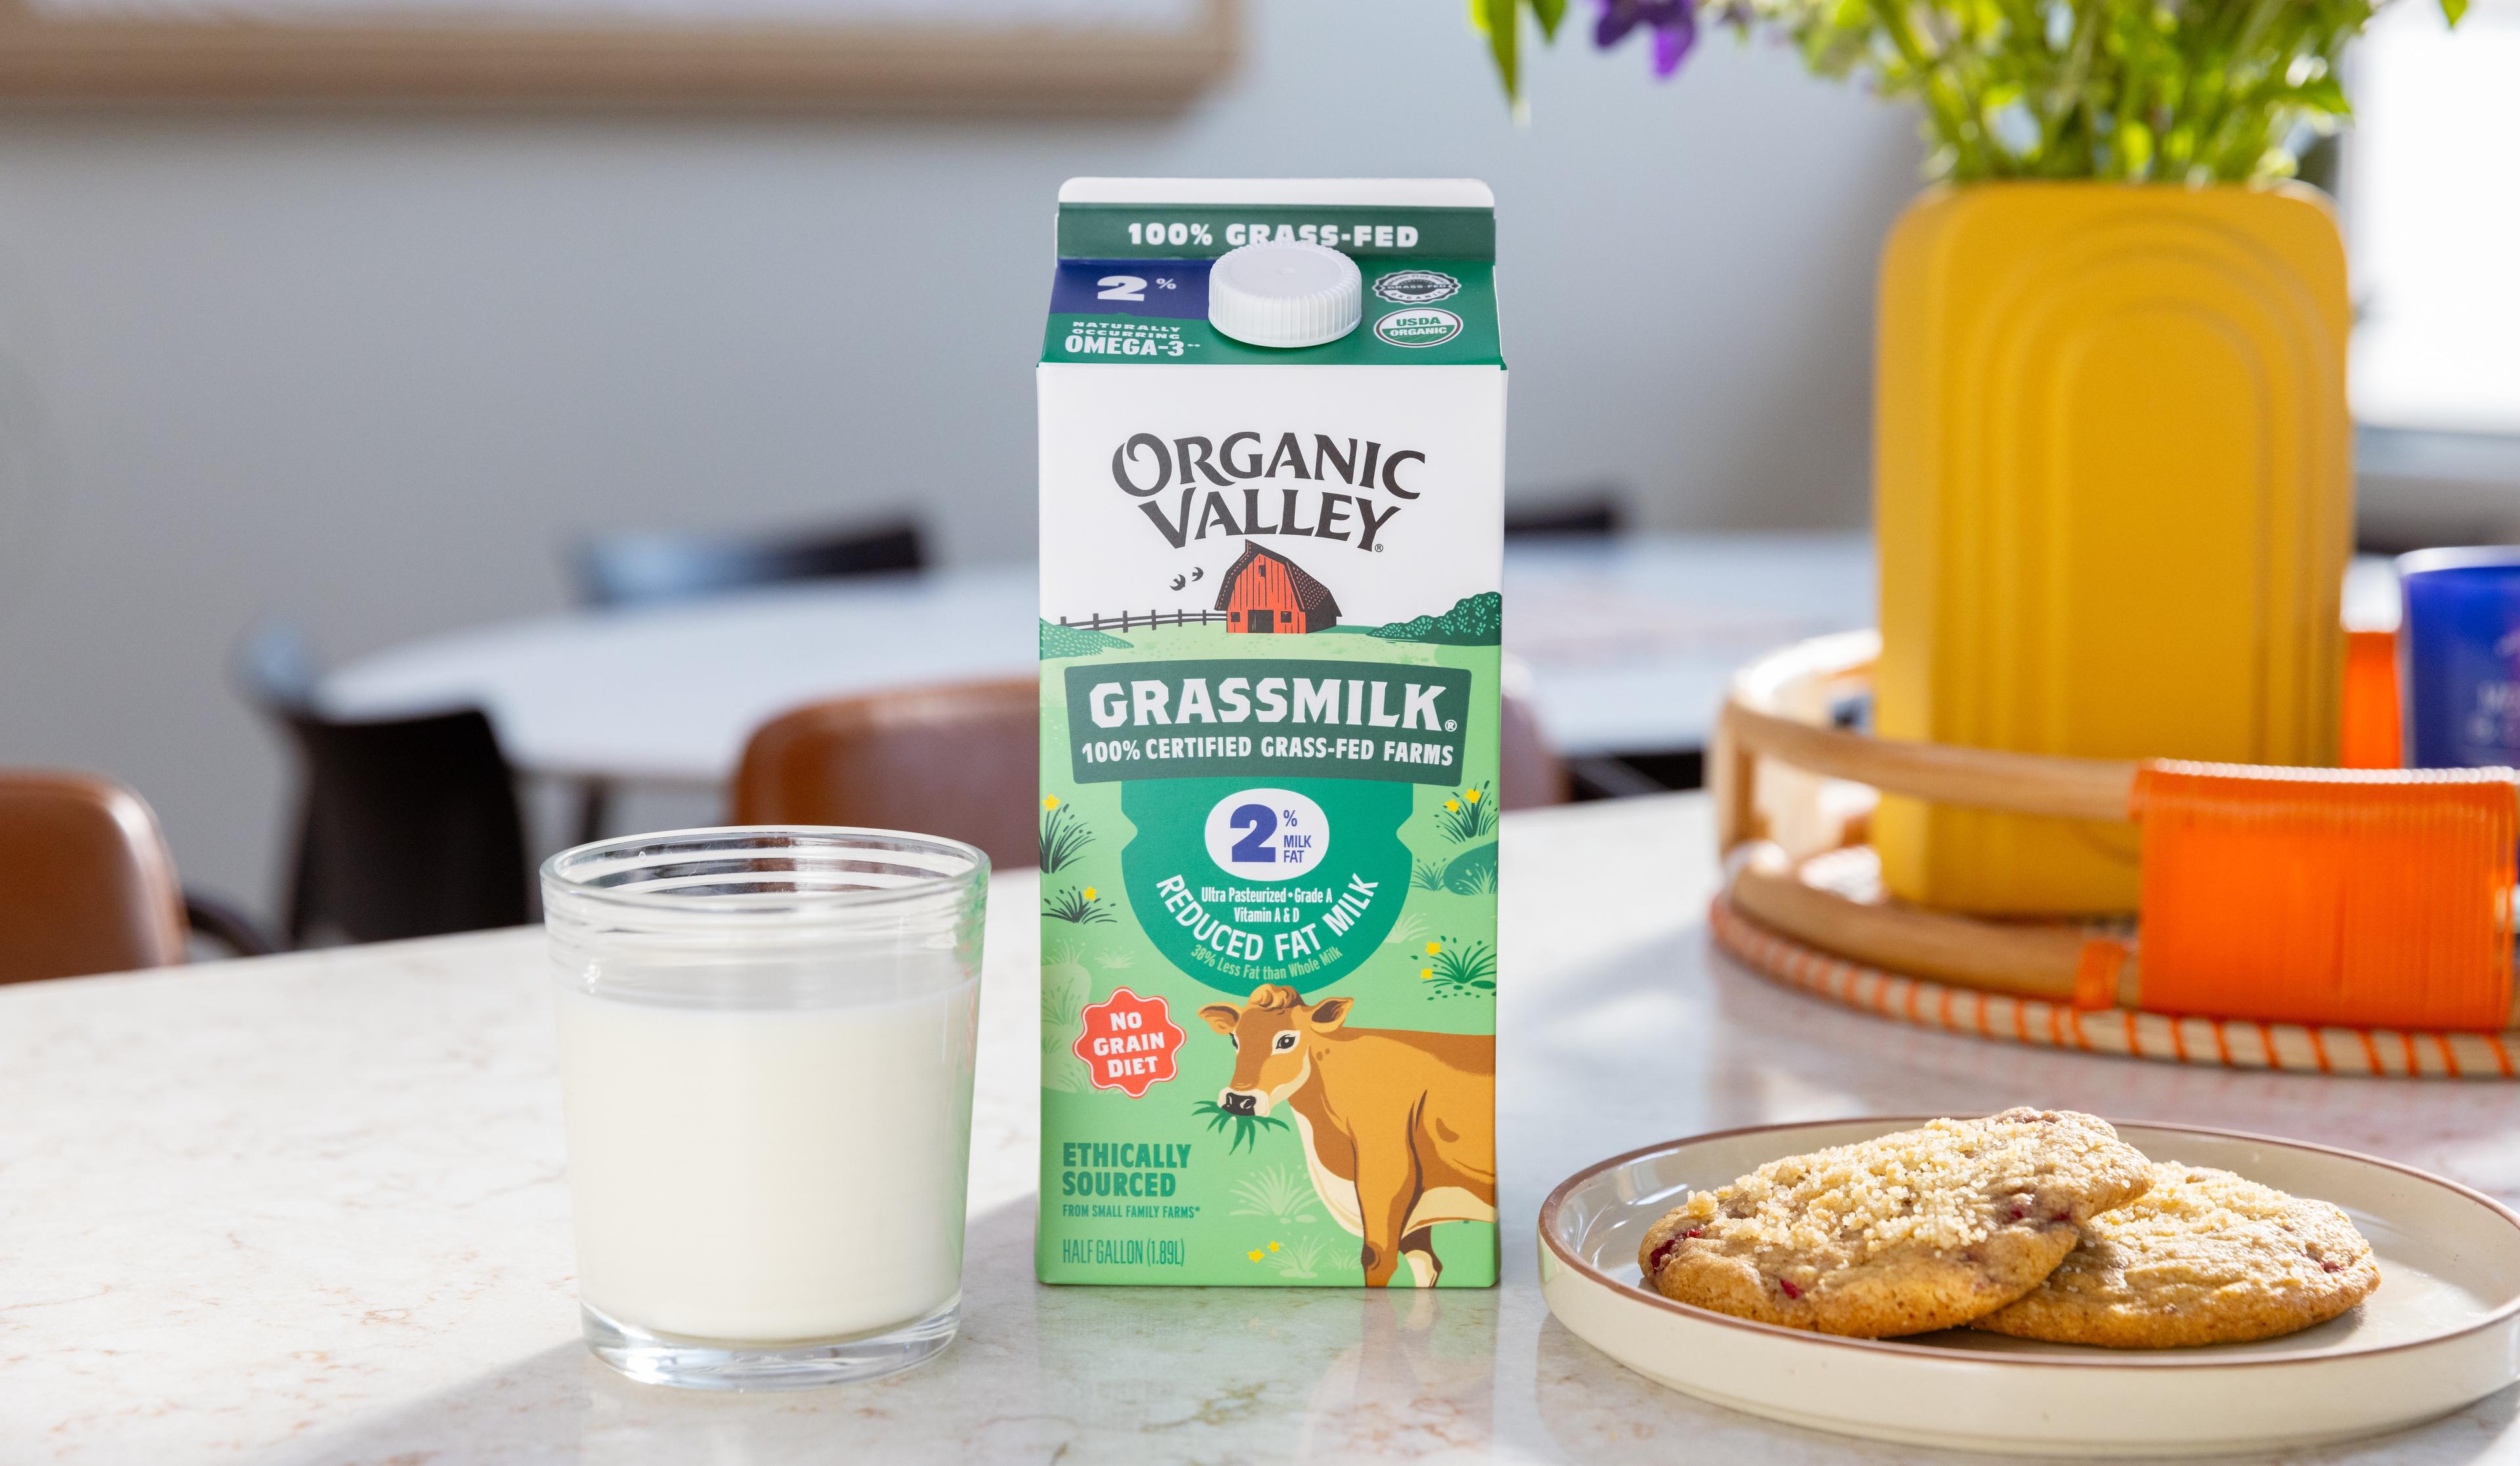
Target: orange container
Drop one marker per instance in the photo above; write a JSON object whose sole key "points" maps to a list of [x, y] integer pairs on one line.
{"points": [[2372, 726], [2329, 895]]}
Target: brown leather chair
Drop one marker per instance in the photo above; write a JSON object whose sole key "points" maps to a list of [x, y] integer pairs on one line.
{"points": [[86, 882], [959, 760], [963, 761], [1530, 774]]}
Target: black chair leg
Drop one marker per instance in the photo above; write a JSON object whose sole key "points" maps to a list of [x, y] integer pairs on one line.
{"points": [[224, 924], [303, 900], [594, 810]]}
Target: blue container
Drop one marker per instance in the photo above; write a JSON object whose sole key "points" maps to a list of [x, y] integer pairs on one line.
{"points": [[2458, 657]]}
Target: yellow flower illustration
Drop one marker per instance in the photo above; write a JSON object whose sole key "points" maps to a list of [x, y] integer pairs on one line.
{"points": [[1273, 1247], [1433, 948], [1426, 973], [1472, 795], [1089, 893], [1050, 802], [1451, 804], [1253, 1255]]}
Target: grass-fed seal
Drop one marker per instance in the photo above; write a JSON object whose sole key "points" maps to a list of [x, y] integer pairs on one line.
{"points": [[1416, 286], [1271, 505]]}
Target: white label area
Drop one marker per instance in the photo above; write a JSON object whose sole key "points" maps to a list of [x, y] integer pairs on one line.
{"points": [[1155, 478], [1267, 835]]}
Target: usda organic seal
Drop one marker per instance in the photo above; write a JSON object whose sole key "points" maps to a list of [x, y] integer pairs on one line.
{"points": [[1416, 286], [1419, 326]]}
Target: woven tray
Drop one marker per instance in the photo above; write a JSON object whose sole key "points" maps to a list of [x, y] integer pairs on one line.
{"points": [[2129, 1033]]}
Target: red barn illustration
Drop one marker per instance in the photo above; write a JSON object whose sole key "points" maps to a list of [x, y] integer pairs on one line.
{"points": [[1266, 592]]}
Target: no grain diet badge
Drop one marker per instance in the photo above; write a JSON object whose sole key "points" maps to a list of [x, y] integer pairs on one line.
{"points": [[1129, 1042]]}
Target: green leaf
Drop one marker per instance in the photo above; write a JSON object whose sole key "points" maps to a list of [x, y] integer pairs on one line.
{"points": [[2322, 94], [1503, 22], [2193, 91], [2452, 10], [2135, 150]]}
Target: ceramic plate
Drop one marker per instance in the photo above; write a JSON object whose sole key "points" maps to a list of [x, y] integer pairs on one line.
{"points": [[2443, 1329]]}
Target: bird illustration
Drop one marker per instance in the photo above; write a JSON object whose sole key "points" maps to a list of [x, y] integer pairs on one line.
{"points": [[1199, 572], [1179, 582]]}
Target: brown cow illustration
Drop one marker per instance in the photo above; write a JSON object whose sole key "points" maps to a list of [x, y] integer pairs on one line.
{"points": [[1399, 1127]]}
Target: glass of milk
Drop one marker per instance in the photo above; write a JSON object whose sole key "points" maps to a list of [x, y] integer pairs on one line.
{"points": [[765, 1047]]}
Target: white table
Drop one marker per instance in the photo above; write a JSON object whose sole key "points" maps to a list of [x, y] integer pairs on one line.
{"points": [[1629, 642], [311, 1209]]}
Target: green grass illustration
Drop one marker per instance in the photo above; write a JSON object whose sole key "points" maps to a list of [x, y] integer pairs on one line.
{"points": [[1114, 961], [1473, 621], [1276, 1193], [1080, 906], [1428, 875], [1063, 986], [1459, 970], [1063, 836], [1074, 641], [1467, 816], [1473, 873], [1301, 1258], [1408, 928], [1246, 1127]]}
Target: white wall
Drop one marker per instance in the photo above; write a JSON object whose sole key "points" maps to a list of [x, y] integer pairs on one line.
{"points": [[369, 371]]}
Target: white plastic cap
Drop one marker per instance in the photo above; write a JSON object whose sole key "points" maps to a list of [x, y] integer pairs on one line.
{"points": [[1287, 294]]}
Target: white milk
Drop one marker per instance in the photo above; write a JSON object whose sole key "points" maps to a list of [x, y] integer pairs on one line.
{"points": [[768, 1174]]}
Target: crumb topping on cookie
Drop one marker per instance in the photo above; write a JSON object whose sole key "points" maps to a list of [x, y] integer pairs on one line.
{"points": [[1947, 1185], [2203, 1257], [1925, 1228]]}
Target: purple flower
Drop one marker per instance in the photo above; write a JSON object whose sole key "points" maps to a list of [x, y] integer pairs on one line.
{"points": [[1674, 23]]}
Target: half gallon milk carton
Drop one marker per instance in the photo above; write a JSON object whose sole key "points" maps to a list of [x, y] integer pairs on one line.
{"points": [[1272, 452]]}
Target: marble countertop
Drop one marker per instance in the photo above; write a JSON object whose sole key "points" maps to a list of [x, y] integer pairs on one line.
{"points": [[312, 1208]]}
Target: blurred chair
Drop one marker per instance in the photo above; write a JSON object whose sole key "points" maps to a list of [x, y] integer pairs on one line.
{"points": [[1529, 772], [643, 568], [87, 885], [963, 761], [406, 826], [1529, 775], [1590, 516], [638, 569], [86, 882]]}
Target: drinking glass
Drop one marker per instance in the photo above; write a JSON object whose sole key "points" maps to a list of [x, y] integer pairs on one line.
{"points": [[2458, 657], [766, 1043]]}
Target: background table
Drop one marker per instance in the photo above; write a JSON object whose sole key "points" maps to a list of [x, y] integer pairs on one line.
{"points": [[311, 1210], [1630, 643]]}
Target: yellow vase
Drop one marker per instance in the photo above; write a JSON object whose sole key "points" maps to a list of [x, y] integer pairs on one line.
{"points": [[2114, 498]]}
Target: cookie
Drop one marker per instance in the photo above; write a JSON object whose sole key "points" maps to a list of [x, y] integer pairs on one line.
{"points": [[1922, 1229], [2204, 1257]]}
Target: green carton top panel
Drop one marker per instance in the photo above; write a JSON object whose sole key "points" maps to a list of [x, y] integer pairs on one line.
{"points": [[1441, 312], [1204, 231], [1131, 287]]}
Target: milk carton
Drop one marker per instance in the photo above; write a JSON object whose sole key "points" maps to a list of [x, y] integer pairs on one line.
{"points": [[1271, 458]]}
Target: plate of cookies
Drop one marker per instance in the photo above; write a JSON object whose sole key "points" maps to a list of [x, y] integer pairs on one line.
{"points": [[2041, 1282]]}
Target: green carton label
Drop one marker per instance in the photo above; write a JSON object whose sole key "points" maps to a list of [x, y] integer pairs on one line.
{"points": [[1293, 719], [1268, 960]]}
